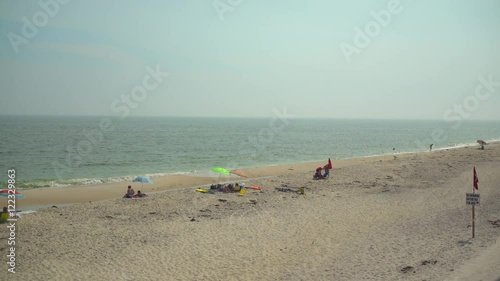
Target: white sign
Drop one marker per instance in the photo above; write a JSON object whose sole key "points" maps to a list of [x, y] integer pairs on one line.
{"points": [[472, 199]]}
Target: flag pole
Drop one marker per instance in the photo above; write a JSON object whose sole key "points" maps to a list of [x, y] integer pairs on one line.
{"points": [[473, 217], [473, 206]]}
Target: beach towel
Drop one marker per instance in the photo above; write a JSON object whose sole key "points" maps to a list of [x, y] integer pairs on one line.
{"points": [[255, 187], [243, 191], [287, 189]]}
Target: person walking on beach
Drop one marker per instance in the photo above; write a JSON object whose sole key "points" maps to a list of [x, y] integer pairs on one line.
{"points": [[430, 147]]}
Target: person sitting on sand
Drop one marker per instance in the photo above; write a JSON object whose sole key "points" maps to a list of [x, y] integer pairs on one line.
{"points": [[327, 171], [139, 194], [4, 215], [130, 192], [318, 174]]}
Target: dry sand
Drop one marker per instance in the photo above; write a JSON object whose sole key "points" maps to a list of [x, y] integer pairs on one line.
{"points": [[380, 218]]}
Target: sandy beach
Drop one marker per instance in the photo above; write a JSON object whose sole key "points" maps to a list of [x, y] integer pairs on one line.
{"points": [[395, 217], [85, 193]]}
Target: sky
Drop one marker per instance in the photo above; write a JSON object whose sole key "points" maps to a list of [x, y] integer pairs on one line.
{"points": [[239, 58]]}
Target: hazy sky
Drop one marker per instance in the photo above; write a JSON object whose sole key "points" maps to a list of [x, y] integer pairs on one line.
{"points": [[248, 57]]}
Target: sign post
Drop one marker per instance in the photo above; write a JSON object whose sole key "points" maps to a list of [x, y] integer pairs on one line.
{"points": [[473, 199]]}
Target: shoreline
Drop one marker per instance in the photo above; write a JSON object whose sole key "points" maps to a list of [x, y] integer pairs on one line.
{"points": [[207, 173], [69, 195], [39, 198]]}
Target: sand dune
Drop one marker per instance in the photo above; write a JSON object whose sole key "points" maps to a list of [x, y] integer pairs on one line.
{"points": [[388, 218]]}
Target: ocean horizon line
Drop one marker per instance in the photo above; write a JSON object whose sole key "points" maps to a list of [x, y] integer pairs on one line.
{"points": [[245, 117]]}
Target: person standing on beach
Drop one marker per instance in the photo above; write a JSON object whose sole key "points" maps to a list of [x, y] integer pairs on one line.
{"points": [[430, 147]]}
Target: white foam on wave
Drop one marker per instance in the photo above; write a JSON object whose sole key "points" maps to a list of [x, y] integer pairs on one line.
{"points": [[96, 181], [461, 145], [155, 175]]}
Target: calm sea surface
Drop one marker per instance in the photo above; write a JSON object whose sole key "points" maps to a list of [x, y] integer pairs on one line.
{"points": [[59, 151]]}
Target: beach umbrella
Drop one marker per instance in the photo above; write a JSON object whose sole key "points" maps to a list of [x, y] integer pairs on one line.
{"points": [[330, 166], [239, 173], [142, 180], [482, 143], [220, 171], [5, 193], [15, 195]]}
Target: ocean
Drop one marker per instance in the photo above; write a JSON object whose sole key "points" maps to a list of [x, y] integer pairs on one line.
{"points": [[62, 151]]}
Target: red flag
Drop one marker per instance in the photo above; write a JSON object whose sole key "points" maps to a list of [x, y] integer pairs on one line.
{"points": [[330, 164], [476, 179]]}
